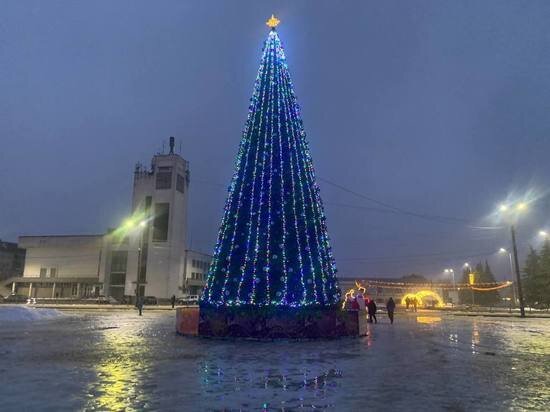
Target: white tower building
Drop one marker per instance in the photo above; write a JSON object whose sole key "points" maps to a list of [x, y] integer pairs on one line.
{"points": [[153, 255], [160, 195]]}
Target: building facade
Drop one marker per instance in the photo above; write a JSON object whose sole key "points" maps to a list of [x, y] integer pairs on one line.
{"points": [[146, 256], [12, 260], [60, 266], [196, 270]]}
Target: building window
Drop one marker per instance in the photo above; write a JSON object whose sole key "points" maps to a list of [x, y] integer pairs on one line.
{"points": [[43, 272], [53, 272], [196, 276], [164, 178], [74, 290], [118, 279], [180, 183], [160, 223], [119, 261]]}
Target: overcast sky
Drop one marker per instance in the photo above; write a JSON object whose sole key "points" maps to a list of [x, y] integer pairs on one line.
{"points": [[434, 107]]}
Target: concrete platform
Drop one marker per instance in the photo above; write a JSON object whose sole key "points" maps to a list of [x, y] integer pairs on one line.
{"points": [[269, 323]]}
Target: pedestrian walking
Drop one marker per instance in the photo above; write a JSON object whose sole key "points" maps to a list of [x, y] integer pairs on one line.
{"points": [[371, 307], [139, 304], [390, 307], [173, 301]]}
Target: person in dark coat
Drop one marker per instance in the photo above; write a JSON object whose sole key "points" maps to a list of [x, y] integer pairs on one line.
{"points": [[371, 308], [173, 301], [390, 307], [139, 304]]}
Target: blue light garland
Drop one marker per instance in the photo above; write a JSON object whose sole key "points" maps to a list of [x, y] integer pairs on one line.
{"points": [[273, 247]]}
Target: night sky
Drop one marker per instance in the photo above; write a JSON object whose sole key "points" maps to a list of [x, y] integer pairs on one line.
{"points": [[435, 108]]}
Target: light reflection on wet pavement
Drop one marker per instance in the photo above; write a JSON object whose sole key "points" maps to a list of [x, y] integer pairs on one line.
{"points": [[119, 361]]}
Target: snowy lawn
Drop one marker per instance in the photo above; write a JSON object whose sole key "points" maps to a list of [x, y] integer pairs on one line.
{"points": [[22, 313]]}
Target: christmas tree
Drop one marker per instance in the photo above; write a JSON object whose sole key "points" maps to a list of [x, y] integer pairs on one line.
{"points": [[273, 247]]}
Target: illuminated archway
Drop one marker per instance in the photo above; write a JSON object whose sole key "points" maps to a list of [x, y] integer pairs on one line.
{"points": [[421, 295]]}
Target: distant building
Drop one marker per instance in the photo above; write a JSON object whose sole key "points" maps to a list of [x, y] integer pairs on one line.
{"points": [[12, 260], [196, 269], [60, 266], [150, 255]]}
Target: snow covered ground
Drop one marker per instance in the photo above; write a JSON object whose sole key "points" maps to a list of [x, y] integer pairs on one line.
{"points": [[427, 361], [21, 313]]}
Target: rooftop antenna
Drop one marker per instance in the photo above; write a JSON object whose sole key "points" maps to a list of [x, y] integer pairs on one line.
{"points": [[171, 144], [163, 147], [180, 146]]}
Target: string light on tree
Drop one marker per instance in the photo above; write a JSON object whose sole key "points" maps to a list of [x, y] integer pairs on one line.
{"points": [[273, 247]]}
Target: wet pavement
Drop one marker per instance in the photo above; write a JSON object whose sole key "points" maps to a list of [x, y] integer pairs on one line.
{"points": [[120, 361]]}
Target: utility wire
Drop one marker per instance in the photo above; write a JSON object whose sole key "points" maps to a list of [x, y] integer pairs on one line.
{"points": [[395, 209], [402, 258]]}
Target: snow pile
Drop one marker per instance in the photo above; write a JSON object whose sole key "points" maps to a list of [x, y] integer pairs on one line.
{"points": [[26, 313]]}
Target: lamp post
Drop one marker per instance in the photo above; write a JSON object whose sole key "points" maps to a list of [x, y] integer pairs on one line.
{"points": [[503, 250], [519, 207], [133, 224], [518, 277], [142, 225], [452, 272]]}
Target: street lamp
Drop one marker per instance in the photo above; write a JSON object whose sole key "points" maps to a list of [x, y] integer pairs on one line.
{"points": [[504, 251], [452, 272], [519, 207], [543, 233], [133, 223]]}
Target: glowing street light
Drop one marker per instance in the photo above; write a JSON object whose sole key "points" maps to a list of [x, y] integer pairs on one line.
{"points": [[503, 208], [543, 233], [521, 206]]}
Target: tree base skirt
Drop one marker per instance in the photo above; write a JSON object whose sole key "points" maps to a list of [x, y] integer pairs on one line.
{"points": [[314, 322]]}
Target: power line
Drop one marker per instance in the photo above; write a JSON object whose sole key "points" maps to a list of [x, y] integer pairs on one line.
{"points": [[399, 210], [397, 259], [387, 208]]}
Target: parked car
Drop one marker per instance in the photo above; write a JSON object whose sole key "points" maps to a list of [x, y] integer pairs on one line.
{"points": [[13, 298], [188, 300], [102, 299], [150, 300]]}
